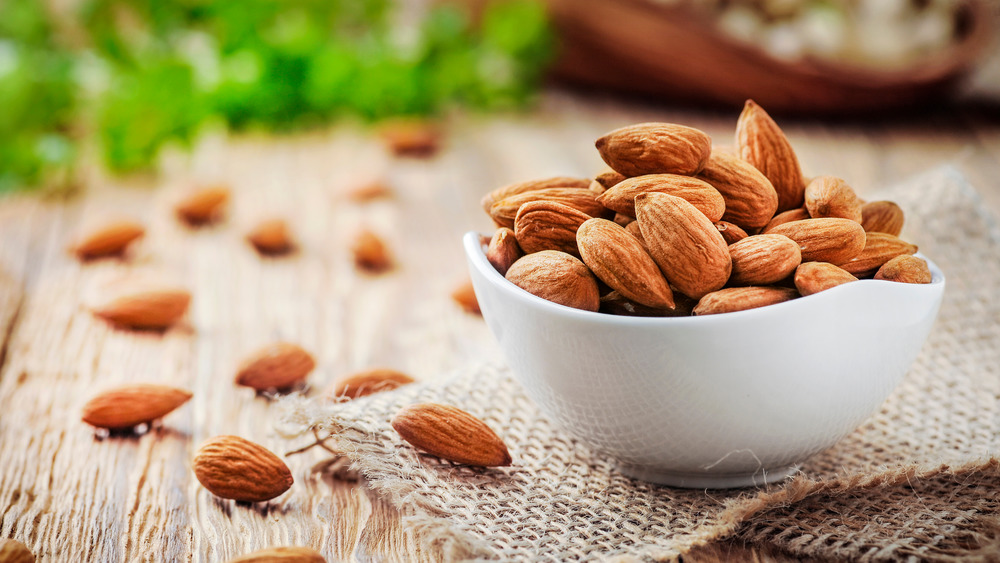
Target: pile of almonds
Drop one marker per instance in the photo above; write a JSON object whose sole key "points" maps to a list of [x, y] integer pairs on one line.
{"points": [[677, 227]]}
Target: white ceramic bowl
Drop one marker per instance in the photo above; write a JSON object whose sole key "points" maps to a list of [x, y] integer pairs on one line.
{"points": [[726, 400]]}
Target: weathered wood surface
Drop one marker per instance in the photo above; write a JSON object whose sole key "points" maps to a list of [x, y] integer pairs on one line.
{"points": [[70, 496]]}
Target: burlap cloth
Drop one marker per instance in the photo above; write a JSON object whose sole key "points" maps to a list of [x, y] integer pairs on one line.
{"points": [[919, 481]]}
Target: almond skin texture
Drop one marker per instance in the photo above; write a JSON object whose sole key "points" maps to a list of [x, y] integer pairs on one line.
{"points": [[686, 246], [879, 249], [503, 250], [465, 296], [452, 434], [148, 309], [831, 240], [905, 269], [704, 197], [763, 144], [882, 217], [370, 252], [655, 148], [547, 225], [557, 277], [763, 259], [532, 185], [618, 259], [797, 214], [734, 299], [203, 205], [505, 211], [282, 555], [271, 237], [280, 365], [238, 469], [131, 405], [814, 277], [368, 382], [110, 239], [828, 196], [749, 196], [730, 232], [13, 551]]}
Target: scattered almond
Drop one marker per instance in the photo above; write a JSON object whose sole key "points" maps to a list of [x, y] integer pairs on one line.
{"points": [[814, 277], [619, 260], [763, 144], [700, 194], [905, 269], [13, 551], [203, 205], [146, 307], [828, 196], [465, 296], [452, 434], [282, 555], [370, 252], [879, 248], [280, 365], [828, 239], [734, 299], [271, 237], [367, 382], [547, 225], [882, 217], [655, 148], [503, 250], [764, 259], [750, 199], [234, 468], [410, 137], [557, 277], [110, 239], [131, 405], [369, 191]]}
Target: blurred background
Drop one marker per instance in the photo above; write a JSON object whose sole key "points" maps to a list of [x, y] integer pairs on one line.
{"points": [[114, 81]]}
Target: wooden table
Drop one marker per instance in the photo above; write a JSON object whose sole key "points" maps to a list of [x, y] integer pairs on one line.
{"points": [[71, 496]]}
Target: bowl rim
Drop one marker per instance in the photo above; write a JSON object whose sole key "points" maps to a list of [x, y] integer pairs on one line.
{"points": [[472, 242]]}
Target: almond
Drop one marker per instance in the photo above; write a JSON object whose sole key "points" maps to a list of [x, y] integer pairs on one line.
{"points": [[13, 551], [596, 187], [131, 405], [905, 269], [814, 277], [465, 296], [557, 277], [655, 148], [882, 217], [203, 205], [763, 144], [410, 137], [704, 197], [547, 225], [271, 237], [734, 299], [280, 365], [503, 250], [764, 259], [452, 434], [797, 214], [608, 178], [634, 230], [370, 252], [730, 232], [619, 260], [108, 240], [369, 190], [505, 211], [234, 468], [750, 199], [686, 246], [147, 308], [367, 382], [614, 303], [828, 196], [829, 239], [879, 248], [530, 186], [282, 555]]}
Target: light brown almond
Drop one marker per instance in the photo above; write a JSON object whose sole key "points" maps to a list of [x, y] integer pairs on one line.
{"points": [[618, 259], [730, 232], [510, 190], [417, 138], [503, 250], [882, 217], [505, 211], [280, 365], [763, 259], [734, 299], [797, 214], [367, 382], [557, 277], [371, 252], [465, 296], [547, 225], [879, 248], [830, 239], [235, 468], [13, 551], [370, 190], [596, 187], [203, 205], [130, 405], [700, 194], [763, 144], [655, 148], [282, 555], [829, 196], [623, 219], [271, 237], [905, 269], [608, 178], [686, 246], [110, 239], [814, 277], [145, 308], [750, 199], [452, 434]]}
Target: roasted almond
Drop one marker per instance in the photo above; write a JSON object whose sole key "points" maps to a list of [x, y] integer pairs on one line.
{"points": [[367, 382], [370, 252], [282, 555], [234, 468], [271, 237], [708, 200], [750, 199], [686, 246], [465, 296], [110, 239], [882, 217], [655, 148], [734, 299], [523, 187], [452, 434], [203, 205], [557, 277], [504, 211], [763, 144], [13, 551], [833, 240], [280, 365], [814, 277], [147, 307], [905, 269], [730, 232], [879, 248], [829, 196], [797, 214], [763, 259], [547, 225], [618, 259], [130, 405], [503, 250]]}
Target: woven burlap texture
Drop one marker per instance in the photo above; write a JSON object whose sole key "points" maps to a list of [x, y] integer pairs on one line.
{"points": [[918, 481]]}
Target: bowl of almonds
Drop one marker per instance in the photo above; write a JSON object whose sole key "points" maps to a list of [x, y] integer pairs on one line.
{"points": [[708, 318]]}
